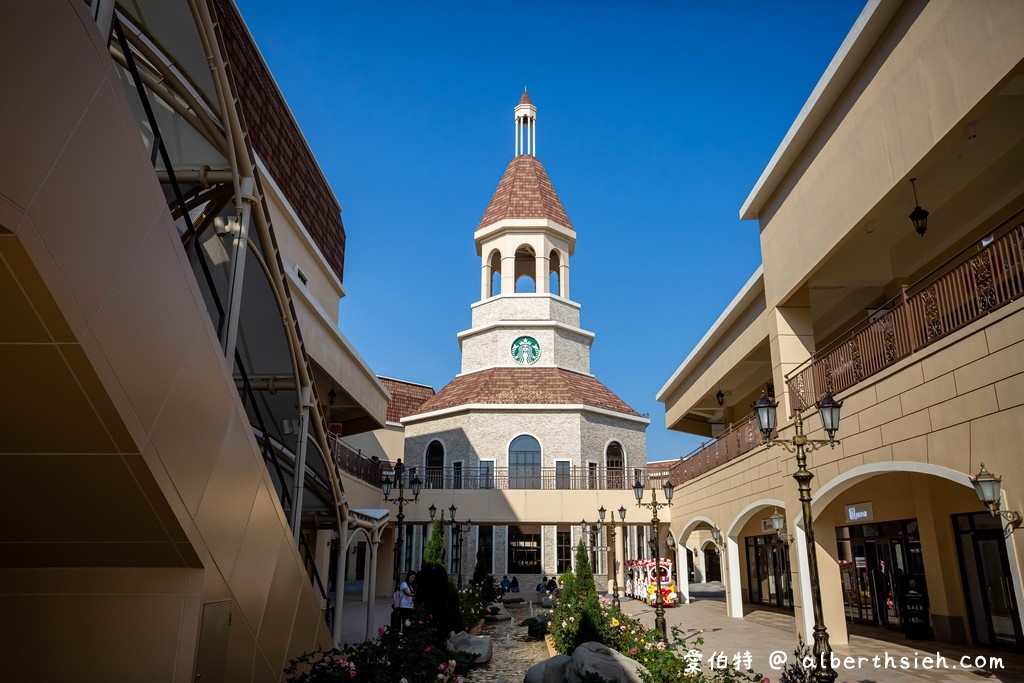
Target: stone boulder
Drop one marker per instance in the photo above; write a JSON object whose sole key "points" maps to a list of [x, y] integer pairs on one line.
{"points": [[496, 612], [595, 659], [551, 670], [546, 602], [479, 646]]}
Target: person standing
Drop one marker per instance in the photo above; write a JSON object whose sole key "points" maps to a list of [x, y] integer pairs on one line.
{"points": [[408, 589]]}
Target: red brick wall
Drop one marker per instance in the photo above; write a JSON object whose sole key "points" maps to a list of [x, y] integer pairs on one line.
{"points": [[279, 142]]}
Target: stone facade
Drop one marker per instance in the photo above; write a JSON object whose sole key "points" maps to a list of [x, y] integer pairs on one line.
{"points": [[481, 435], [547, 307], [559, 347]]}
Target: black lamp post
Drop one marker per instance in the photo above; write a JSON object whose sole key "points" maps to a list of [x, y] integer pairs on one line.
{"points": [[654, 506], [615, 564], [386, 487], [828, 407], [589, 540], [457, 530]]}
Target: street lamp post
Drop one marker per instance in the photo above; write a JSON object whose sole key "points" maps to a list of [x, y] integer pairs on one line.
{"points": [[386, 486], [765, 410], [589, 540], [614, 564], [458, 529], [654, 506]]}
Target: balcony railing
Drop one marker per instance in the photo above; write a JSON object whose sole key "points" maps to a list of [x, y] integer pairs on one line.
{"points": [[544, 478], [965, 290], [355, 463], [742, 437]]}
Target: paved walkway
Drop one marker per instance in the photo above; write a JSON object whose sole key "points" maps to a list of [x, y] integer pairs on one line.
{"points": [[763, 632]]}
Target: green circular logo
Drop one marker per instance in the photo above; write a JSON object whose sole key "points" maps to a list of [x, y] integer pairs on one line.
{"points": [[525, 350]]}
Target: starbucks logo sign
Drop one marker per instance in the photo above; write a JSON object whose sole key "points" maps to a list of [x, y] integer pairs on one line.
{"points": [[525, 350]]}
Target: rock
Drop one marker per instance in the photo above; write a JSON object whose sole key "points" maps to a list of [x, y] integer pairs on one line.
{"points": [[496, 612], [546, 602], [551, 670], [479, 646], [595, 659]]}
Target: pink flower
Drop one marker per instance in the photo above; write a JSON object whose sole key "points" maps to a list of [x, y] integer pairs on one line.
{"points": [[352, 673], [380, 630], [442, 666], [426, 649]]}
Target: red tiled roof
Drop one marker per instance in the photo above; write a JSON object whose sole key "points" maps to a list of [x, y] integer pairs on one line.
{"points": [[277, 139], [406, 397], [525, 191], [547, 386], [525, 99]]}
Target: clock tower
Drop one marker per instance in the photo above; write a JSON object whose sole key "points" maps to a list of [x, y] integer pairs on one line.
{"points": [[525, 239], [525, 439]]}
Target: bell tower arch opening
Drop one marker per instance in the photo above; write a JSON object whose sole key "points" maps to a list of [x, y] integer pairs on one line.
{"points": [[554, 274], [492, 276], [526, 269]]}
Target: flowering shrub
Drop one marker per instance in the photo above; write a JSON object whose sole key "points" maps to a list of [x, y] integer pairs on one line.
{"points": [[579, 617], [471, 604], [409, 657]]}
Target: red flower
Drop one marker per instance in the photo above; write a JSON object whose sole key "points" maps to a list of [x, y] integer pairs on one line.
{"points": [[426, 649]]}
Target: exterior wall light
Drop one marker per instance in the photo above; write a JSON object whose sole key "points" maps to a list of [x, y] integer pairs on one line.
{"points": [[988, 487], [779, 525], [919, 217], [720, 397]]}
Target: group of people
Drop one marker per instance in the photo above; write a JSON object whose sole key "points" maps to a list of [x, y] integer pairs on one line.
{"points": [[512, 586]]}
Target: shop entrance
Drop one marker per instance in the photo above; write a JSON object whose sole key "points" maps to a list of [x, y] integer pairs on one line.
{"points": [[768, 571], [988, 585], [883, 576], [712, 567]]}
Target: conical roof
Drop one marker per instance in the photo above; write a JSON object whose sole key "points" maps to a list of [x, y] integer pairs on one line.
{"points": [[525, 191]]}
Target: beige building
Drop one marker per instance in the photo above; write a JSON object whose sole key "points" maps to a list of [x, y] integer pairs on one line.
{"points": [[917, 328], [174, 380]]}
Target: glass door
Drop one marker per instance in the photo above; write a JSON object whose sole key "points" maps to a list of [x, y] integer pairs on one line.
{"points": [[988, 587]]}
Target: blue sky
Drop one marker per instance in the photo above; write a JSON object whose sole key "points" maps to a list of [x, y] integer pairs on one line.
{"points": [[655, 120]]}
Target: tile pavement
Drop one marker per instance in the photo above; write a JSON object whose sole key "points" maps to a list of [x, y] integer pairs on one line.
{"points": [[762, 632]]}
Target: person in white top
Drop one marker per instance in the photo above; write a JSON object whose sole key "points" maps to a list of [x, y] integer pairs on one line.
{"points": [[408, 589]]}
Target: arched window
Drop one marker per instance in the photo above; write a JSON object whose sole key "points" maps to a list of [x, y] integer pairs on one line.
{"points": [[495, 266], [554, 273], [435, 465], [526, 270], [524, 463], [615, 464]]}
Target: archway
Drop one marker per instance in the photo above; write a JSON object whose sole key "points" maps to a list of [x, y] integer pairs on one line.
{"points": [[907, 549], [757, 564]]}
